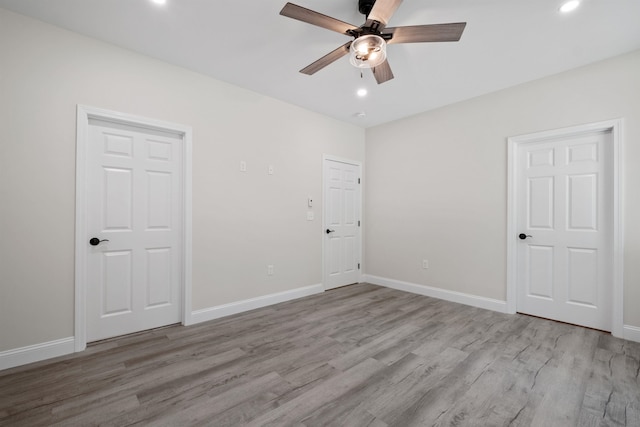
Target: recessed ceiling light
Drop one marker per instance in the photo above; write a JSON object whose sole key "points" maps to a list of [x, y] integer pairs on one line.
{"points": [[569, 6], [361, 115], [159, 1], [362, 92]]}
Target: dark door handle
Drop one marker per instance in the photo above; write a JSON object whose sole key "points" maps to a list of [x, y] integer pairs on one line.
{"points": [[330, 231], [523, 236], [95, 241]]}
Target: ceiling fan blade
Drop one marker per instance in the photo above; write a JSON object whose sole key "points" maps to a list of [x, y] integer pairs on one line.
{"points": [[327, 59], [382, 11], [309, 16], [426, 33], [383, 72]]}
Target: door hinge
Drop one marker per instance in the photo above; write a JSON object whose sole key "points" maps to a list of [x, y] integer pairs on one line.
{"points": [[358, 180], [358, 266], [358, 223]]}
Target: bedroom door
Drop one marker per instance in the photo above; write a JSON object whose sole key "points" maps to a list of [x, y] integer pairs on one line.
{"points": [[565, 229], [341, 220], [134, 229]]}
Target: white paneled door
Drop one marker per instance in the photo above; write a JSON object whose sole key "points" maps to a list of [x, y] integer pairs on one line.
{"points": [[341, 223], [134, 221], [565, 229]]}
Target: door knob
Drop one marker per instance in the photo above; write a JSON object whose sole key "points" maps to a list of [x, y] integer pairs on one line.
{"points": [[523, 236], [330, 231], [95, 241]]}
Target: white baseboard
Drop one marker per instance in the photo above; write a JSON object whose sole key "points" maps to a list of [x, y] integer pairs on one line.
{"points": [[631, 333], [218, 311], [61, 347], [35, 353], [429, 291]]}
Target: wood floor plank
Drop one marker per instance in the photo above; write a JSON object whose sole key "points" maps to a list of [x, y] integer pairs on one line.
{"points": [[299, 408], [338, 411], [364, 351], [212, 405], [361, 355]]}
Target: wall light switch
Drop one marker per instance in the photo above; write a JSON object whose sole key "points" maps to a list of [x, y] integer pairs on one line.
{"points": [[310, 216], [270, 169], [310, 201]]}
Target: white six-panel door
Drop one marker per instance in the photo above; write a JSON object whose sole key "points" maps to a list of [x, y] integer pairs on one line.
{"points": [[341, 223], [134, 182], [564, 265]]}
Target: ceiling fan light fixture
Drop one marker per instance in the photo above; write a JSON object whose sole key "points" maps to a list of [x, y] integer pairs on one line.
{"points": [[368, 51]]}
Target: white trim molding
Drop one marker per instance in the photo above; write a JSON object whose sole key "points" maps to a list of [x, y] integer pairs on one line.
{"points": [[236, 307], [35, 353], [631, 333], [84, 115], [444, 294], [616, 128]]}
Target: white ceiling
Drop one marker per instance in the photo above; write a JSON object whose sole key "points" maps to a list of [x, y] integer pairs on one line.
{"points": [[506, 42]]}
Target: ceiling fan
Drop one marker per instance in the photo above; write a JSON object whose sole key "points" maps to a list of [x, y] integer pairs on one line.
{"points": [[368, 48]]}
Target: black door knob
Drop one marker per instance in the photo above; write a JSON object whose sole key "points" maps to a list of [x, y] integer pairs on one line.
{"points": [[94, 241], [523, 236], [330, 231]]}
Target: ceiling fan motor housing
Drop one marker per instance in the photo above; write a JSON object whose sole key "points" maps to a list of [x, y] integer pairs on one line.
{"points": [[365, 6]]}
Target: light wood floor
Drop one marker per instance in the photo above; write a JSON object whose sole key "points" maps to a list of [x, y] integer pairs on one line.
{"points": [[356, 356]]}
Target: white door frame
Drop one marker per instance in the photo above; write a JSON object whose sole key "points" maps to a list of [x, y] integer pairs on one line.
{"points": [[84, 114], [326, 157], [615, 127]]}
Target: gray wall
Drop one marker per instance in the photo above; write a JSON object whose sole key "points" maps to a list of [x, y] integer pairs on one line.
{"points": [[241, 221], [436, 183]]}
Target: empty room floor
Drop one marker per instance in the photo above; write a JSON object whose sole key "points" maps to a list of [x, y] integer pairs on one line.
{"points": [[361, 355]]}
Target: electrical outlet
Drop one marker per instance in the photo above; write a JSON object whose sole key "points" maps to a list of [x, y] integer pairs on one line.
{"points": [[425, 263], [243, 166], [310, 216], [269, 270], [270, 170]]}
